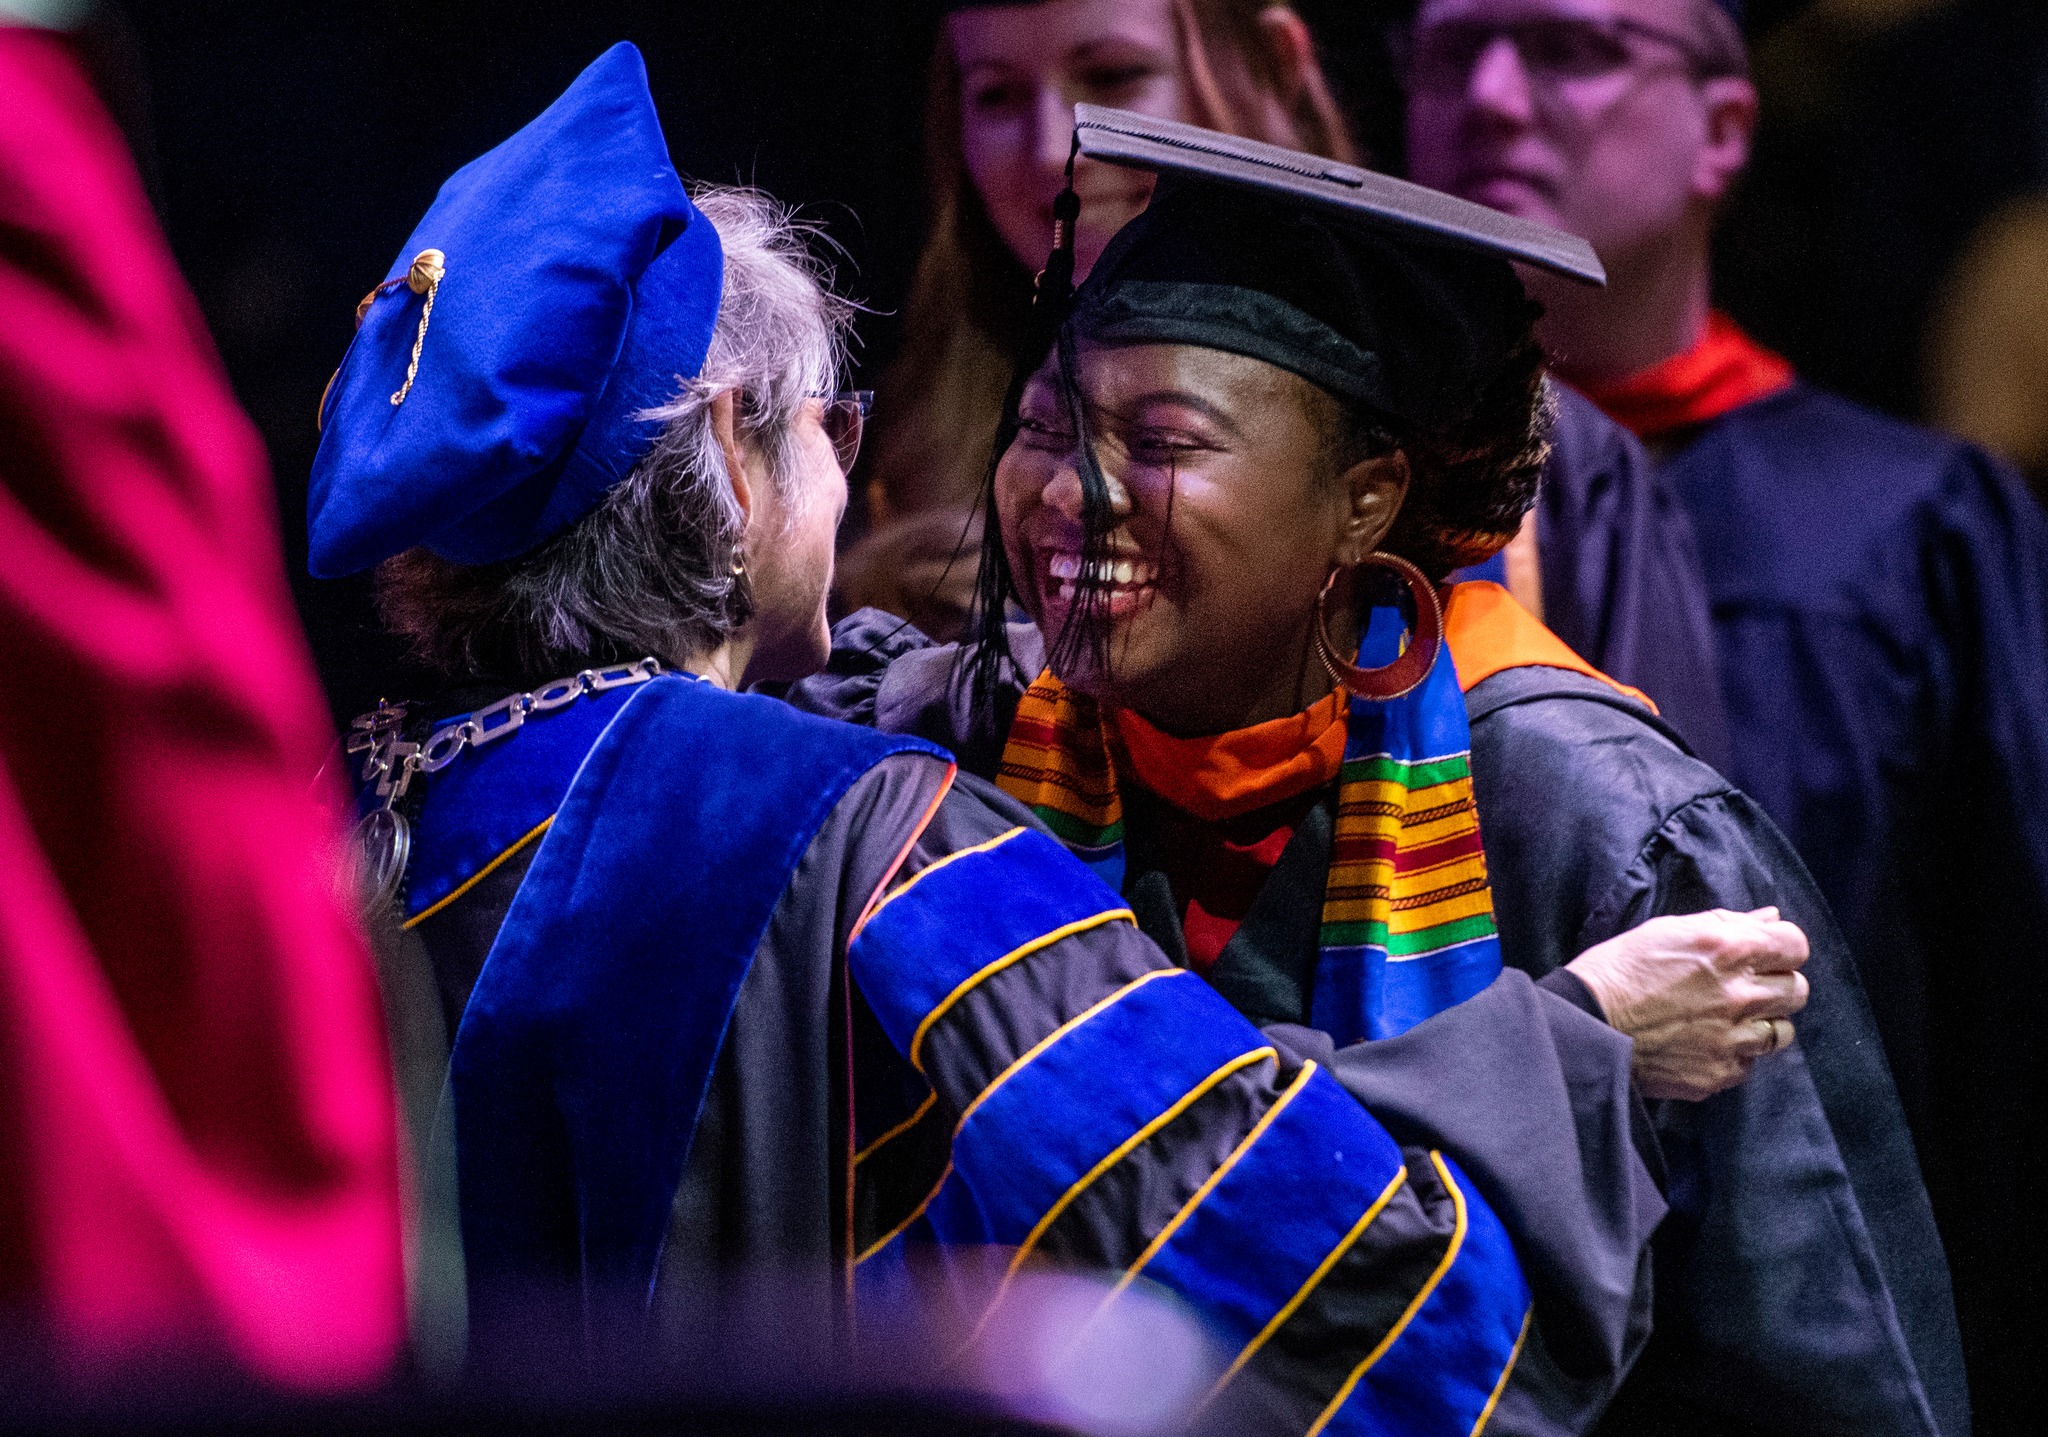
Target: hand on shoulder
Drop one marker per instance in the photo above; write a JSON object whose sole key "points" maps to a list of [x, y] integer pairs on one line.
{"points": [[1704, 995]]}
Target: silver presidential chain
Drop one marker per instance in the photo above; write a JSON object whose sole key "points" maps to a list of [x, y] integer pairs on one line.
{"points": [[381, 842]]}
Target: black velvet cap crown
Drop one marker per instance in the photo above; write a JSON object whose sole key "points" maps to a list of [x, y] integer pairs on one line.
{"points": [[1392, 295]]}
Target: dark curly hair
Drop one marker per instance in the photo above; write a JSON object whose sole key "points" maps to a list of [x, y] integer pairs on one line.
{"points": [[1473, 477]]}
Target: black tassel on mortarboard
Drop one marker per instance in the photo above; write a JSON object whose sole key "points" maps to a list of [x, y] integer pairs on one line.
{"points": [[1086, 627], [1047, 332], [1055, 283]]}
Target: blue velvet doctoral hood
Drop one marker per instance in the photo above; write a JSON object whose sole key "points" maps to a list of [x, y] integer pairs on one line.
{"points": [[485, 408], [581, 1064]]}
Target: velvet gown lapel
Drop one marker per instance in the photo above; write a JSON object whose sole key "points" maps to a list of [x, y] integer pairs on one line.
{"points": [[582, 1062]]}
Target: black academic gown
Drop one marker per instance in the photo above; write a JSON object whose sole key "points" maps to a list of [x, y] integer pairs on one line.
{"points": [[1622, 582], [1880, 601], [758, 1230], [1621, 575], [1801, 1287], [603, 1222]]}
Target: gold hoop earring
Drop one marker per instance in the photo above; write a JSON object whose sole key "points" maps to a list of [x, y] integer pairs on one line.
{"points": [[739, 562], [1389, 681]]}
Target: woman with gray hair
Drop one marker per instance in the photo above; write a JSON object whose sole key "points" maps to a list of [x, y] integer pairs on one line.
{"points": [[749, 460], [591, 437], [727, 985]]}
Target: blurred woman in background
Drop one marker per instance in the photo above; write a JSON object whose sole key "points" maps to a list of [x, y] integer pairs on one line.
{"points": [[999, 119], [1619, 578]]}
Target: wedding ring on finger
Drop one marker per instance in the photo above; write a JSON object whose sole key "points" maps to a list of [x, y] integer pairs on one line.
{"points": [[1773, 1033]]}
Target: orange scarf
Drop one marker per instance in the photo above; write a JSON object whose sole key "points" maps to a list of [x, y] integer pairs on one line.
{"points": [[1725, 370], [1223, 776], [1408, 873], [1235, 773]]}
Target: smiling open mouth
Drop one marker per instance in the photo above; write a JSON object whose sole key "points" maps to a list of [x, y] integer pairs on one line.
{"points": [[1122, 577]]}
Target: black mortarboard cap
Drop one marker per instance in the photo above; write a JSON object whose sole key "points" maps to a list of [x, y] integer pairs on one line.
{"points": [[1387, 293]]}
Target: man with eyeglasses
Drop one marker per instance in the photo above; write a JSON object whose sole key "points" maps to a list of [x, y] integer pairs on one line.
{"points": [[1880, 592]]}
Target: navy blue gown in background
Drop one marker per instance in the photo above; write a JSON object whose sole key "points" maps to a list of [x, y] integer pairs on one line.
{"points": [[1621, 574], [1622, 579], [1880, 605]]}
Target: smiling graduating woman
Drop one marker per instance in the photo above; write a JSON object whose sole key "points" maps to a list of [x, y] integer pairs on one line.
{"points": [[1289, 399], [1607, 560], [720, 985]]}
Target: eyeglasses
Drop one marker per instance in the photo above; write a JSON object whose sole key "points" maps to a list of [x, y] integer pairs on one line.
{"points": [[1553, 50], [844, 420]]}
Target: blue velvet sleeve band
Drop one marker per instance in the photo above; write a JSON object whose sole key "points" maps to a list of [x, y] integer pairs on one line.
{"points": [[1099, 1108]]}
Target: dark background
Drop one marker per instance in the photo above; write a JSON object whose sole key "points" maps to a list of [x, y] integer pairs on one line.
{"points": [[294, 148], [291, 148]]}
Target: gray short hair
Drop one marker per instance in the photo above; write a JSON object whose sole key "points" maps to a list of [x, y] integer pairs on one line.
{"points": [[650, 569]]}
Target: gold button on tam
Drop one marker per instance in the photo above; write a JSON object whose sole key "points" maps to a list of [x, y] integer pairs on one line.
{"points": [[428, 266]]}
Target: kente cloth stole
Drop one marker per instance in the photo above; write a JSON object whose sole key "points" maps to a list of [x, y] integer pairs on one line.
{"points": [[1408, 926]]}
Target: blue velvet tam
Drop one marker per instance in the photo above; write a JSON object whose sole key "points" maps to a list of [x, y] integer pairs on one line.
{"points": [[558, 286]]}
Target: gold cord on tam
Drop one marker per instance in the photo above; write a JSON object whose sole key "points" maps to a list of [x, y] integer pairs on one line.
{"points": [[428, 268]]}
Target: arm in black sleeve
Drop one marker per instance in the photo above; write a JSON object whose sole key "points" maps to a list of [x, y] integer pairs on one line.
{"points": [[1532, 1097], [864, 645], [1801, 1284], [1565, 984], [884, 674]]}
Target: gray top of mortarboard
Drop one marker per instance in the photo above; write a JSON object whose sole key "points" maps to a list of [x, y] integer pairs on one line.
{"points": [[1123, 137]]}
